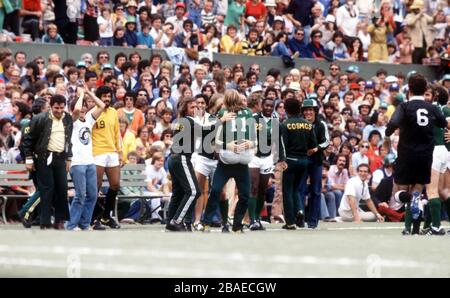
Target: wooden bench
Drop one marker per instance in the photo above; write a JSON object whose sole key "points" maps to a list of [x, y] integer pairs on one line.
{"points": [[21, 178]]}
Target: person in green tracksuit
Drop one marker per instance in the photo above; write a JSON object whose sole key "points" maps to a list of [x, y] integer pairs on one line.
{"points": [[438, 189], [297, 137], [234, 141]]}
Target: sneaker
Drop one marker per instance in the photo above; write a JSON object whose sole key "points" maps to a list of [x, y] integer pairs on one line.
{"points": [[261, 227], [433, 231], [289, 227], [27, 221], [172, 226], [415, 208], [206, 229], [198, 226], [406, 233], [110, 222], [97, 226], [238, 230], [226, 228], [188, 226], [300, 220]]}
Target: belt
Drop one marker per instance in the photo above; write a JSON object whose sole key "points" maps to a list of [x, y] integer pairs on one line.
{"points": [[57, 154]]}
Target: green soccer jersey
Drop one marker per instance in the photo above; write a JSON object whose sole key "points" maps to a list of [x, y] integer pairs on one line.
{"points": [[439, 132], [237, 130]]}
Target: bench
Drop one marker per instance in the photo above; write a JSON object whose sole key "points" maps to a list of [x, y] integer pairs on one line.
{"points": [[21, 178]]}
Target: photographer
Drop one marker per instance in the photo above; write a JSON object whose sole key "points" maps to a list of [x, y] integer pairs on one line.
{"points": [[418, 24]]}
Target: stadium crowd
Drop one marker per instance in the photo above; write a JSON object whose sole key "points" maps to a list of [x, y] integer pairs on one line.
{"points": [[394, 31], [147, 91]]}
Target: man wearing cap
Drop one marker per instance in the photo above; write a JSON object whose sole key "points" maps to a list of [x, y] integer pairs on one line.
{"points": [[130, 32], [131, 8], [107, 70], [310, 110], [178, 19], [446, 82], [418, 23], [297, 139], [353, 73]]}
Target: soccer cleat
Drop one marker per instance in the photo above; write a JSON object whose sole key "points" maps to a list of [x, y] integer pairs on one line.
{"points": [[300, 220], [254, 226], [97, 226], [261, 227], [433, 231], [406, 233], [226, 228], [289, 227], [206, 229], [198, 226], [172, 226], [110, 222], [415, 205]]}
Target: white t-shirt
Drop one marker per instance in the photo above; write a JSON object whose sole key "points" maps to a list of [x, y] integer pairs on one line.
{"points": [[158, 177], [82, 141], [378, 176], [109, 28], [346, 21], [354, 188]]}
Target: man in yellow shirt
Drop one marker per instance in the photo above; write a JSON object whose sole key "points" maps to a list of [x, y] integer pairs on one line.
{"points": [[107, 151]]}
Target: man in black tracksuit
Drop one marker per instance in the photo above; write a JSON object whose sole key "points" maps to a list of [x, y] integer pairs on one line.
{"points": [[297, 137], [310, 110], [185, 189]]}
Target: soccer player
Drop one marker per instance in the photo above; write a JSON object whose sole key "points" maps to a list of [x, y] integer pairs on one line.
{"points": [[107, 150], [234, 140], [262, 165], [416, 120], [436, 190]]}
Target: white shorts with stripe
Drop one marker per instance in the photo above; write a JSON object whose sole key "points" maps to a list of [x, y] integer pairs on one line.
{"points": [[441, 159], [264, 164]]}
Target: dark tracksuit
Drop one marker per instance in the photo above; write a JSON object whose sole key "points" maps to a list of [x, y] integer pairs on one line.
{"points": [[52, 178], [185, 189], [240, 172], [314, 172], [297, 137]]}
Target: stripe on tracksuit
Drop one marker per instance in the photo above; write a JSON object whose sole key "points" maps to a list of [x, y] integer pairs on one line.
{"points": [[193, 189]]}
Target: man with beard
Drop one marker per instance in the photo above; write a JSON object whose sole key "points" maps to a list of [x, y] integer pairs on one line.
{"points": [[107, 150]]}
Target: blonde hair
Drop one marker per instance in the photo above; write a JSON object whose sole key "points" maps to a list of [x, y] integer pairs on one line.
{"points": [[232, 100], [157, 156]]}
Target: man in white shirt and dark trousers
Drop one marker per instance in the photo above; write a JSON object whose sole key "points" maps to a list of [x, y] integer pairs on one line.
{"points": [[83, 169], [357, 189]]}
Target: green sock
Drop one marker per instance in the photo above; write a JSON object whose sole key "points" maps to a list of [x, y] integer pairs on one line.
{"points": [[435, 212], [224, 211], [408, 217], [252, 208], [427, 222], [259, 207]]}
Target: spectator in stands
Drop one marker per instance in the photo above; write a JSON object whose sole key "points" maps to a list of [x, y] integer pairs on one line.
{"points": [[337, 179], [360, 157], [144, 38], [130, 32], [316, 49], [356, 190], [134, 116], [299, 13], [230, 42], [6, 109], [32, 18], [418, 23], [337, 47], [51, 35], [379, 29], [298, 44], [106, 27], [347, 20], [188, 37], [235, 15]]}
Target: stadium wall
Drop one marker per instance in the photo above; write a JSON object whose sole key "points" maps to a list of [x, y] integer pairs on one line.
{"points": [[367, 70]]}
